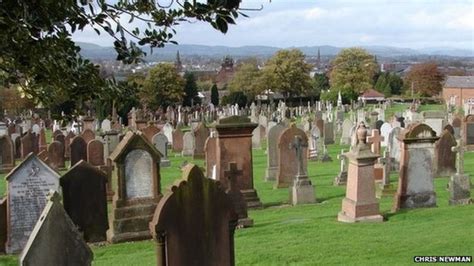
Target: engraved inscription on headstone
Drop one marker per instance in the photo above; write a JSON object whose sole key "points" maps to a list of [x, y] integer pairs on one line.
{"points": [[28, 186], [138, 174]]}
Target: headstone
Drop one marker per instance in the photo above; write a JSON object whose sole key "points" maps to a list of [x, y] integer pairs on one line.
{"points": [[55, 239], [287, 169], [445, 158], [177, 140], [346, 132], [84, 190], [257, 137], [236, 196], [95, 153], [394, 147], [314, 140], [200, 135], [161, 144], [459, 184], [3, 224], [385, 130], [234, 144], [210, 149], [29, 144], [194, 223], [106, 125], [435, 120], [78, 148], [457, 124], [43, 145], [28, 184], [168, 131], [301, 191], [138, 189], [88, 135], [188, 144], [468, 129], [386, 188], [150, 131], [67, 144], [328, 133], [7, 154], [56, 155], [415, 184], [272, 151], [360, 203], [341, 178]]}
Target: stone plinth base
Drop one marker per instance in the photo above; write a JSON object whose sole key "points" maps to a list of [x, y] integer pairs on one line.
{"points": [[271, 173], [302, 191], [165, 163], [418, 200], [245, 222], [342, 217], [340, 179], [131, 223], [459, 190], [252, 199], [353, 211]]}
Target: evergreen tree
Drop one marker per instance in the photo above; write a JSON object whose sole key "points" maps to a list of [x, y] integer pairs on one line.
{"points": [[190, 90], [214, 95]]}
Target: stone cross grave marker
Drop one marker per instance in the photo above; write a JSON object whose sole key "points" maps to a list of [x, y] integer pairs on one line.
{"points": [[298, 146], [341, 178], [459, 183], [375, 141]]}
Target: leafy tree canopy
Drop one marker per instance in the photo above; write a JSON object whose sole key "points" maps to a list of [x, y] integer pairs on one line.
{"points": [[424, 79], [190, 90], [162, 86], [246, 79]]}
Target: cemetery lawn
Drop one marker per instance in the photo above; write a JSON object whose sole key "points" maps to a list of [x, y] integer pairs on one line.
{"points": [[310, 234]]}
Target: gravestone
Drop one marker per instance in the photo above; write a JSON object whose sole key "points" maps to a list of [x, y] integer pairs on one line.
{"points": [[150, 131], [457, 124], [287, 169], [55, 239], [56, 155], [459, 183], [67, 144], [84, 199], [17, 140], [341, 178], [168, 131], [233, 190], [88, 135], [445, 158], [385, 130], [320, 124], [194, 223], [177, 140], [200, 135], [435, 120], [138, 189], [210, 149], [106, 125], [7, 154], [301, 191], [3, 224], [415, 182], [95, 153], [234, 144], [346, 132], [28, 184], [62, 139], [394, 147], [188, 144], [386, 188], [468, 129], [375, 139], [257, 137], [78, 148], [314, 140], [161, 144], [272, 151], [43, 145], [29, 144], [360, 203], [328, 133]]}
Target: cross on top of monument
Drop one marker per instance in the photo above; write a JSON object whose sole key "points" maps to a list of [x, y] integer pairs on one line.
{"points": [[232, 175], [460, 149], [298, 145], [376, 137]]}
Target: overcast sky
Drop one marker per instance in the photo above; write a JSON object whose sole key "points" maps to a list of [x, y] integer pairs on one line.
{"points": [[343, 23]]}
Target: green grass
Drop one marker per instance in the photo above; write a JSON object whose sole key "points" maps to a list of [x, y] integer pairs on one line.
{"points": [[311, 235]]}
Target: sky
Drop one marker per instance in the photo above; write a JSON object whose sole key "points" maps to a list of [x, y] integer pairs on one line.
{"points": [[285, 23]]}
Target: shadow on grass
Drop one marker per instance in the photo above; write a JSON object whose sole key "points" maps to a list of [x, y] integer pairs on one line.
{"points": [[274, 204], [341, 195]]}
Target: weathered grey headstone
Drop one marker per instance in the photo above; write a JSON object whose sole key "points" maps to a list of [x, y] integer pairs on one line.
{"points": [[55, 239], [347, 125], [460, 184], [188, 144], [341, 178], [106, 125], [301, 191], [385, 130], [328, 133], [168, 131], [394, 147], [28, 184], [161, 144], [272, 151]]}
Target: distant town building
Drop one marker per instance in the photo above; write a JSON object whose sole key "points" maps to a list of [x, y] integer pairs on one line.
{"points": [[372, 95], [226, 73], [459, 91]]}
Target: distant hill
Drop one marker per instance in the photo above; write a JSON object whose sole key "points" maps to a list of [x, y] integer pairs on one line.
{"points": [[94, 51]]}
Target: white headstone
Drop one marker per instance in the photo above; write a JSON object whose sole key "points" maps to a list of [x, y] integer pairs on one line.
{"points": [[138, 174]]}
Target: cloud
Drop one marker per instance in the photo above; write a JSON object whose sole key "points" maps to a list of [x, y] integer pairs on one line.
{"points": [[284, 23]]}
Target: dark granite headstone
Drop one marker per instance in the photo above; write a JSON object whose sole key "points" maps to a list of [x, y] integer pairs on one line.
{"points": [[194, 223], [78, 148], [84, 198], [7, 154], [56, 155], [95, 152], [445, 157]]}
